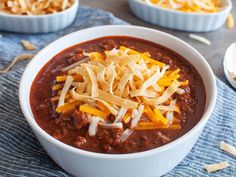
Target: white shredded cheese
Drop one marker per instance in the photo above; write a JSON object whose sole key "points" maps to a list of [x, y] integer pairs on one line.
{"points": [[218, 166], [125, 135], [93, 79], [136, 116], [118, 125], [180, 91], [170, 114], [65, 89], [86, 59], [165, 96], [120, 114], [93, 126], [228, 148], [200, 39], [151, 80]]}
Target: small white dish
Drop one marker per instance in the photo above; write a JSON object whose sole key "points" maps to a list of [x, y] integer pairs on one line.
{"points": [[151, 163], [181, 20], [38, 23], [230, 64]]}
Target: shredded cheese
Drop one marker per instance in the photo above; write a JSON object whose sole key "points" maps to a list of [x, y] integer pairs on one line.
{"points": [[215, 167], [117, 100], [125, 135], [165, 96], [77, 96], [64, 91], [28, 45], [151, 125], [94, 82], [118, 125], [14, 61], [160, 117], [200, 39], [195, 6], [136, 116], [228, 148], [86, 59], [120, 114], [93, 126], [92, 111], [126, 118], [230, 21], [122, 82]]}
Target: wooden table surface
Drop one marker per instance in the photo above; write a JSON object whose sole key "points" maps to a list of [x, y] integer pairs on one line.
{"points": [[214, 54]]}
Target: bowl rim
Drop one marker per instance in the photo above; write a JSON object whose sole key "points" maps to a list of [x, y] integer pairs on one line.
{"points": [[225, 9], [31, 120], [74, 5]]}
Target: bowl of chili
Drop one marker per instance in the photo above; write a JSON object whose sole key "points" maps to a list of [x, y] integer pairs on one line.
{"points": [[82, 123]]}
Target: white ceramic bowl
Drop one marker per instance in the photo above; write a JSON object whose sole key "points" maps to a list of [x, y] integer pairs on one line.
{"points": [[150, 163], [181, 20], [38, 23]]}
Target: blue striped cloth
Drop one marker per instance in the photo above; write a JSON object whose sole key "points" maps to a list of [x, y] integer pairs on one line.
{"points": [[22, 155]]}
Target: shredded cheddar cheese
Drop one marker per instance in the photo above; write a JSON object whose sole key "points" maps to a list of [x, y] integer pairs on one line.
{"points": [[93, 111], [151, 125]]}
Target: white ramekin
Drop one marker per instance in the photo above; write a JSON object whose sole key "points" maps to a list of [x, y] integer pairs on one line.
{"points": [[181, 20], [38, 23], [152, 163]]}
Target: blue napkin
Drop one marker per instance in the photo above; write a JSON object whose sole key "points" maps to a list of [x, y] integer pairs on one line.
{"points": [[22, 155]]}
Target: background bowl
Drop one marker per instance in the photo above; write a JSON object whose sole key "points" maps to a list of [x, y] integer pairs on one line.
{"points": [[152, 163], [38, 23], [181, 20]]}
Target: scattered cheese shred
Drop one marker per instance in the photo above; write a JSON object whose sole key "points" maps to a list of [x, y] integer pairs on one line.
{"points": [[15, 60], [228, 148], [230, 21], [215, 167], [200, 39], [28, 45]]}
